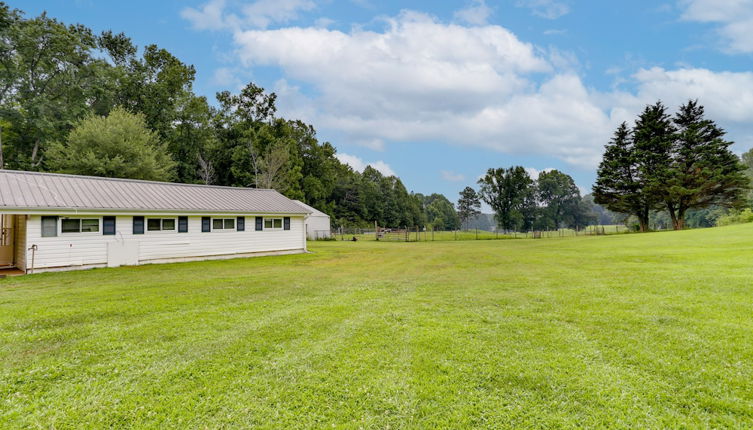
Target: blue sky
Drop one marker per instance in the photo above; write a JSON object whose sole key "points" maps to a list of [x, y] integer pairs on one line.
{"points": [[437, 92]]}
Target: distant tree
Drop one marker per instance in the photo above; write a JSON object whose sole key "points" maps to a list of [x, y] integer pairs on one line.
{"points": [[559, 196], [507, 191], [747, 160], [269, 166], [119, 146], [469, 205], [702, 171]]}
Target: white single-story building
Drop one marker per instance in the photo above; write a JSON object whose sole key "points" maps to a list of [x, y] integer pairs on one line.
{"points": [[56, 222], [317, 223]]}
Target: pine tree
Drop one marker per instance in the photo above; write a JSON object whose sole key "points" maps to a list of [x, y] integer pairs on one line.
{"points": [[469, 205], [617, 187], [703, 171]]}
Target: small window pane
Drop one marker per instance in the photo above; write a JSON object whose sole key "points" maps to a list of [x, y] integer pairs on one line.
{"points": [[229, 223], [71, 225], [217, 224], [278, 223], [49, 226], [168, 224], [267, 222], [153, 224], [89, 225]]}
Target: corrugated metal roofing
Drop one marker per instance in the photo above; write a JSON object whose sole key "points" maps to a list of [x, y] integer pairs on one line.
{"points": [[44, 191], [314, 211]]}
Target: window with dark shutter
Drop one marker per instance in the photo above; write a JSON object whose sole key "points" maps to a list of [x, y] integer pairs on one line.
{"points": [[108, 225], [240, 223], [49, 226], [206, 224], [138, 225], [259, 223], [286, 223], [182, 224]]}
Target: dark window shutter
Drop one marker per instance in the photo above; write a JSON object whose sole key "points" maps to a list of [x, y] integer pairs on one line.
{"points": [[286, 223], [138, 225], [240, 224], [108, 225], [206, 224], [259, 223], [182, 224], [49, 226]]}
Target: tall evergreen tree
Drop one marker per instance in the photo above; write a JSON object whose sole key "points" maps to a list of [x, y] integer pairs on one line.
{"points": [[469, 205], [703, 171], [617, 184]]}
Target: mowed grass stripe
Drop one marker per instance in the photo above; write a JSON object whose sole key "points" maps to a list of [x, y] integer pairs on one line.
{"points": [[619, 331]]}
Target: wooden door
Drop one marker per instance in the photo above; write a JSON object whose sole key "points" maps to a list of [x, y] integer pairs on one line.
{"points": [[6, 240]]}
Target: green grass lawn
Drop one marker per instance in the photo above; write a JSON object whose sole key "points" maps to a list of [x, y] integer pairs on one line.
{"points": [[621, 331]]}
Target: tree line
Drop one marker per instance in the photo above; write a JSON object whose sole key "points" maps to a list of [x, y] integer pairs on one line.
{"points": [[73, 101], [522, 203]]}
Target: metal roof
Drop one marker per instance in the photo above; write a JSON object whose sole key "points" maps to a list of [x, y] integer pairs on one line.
{"points": [[314, 211], [48, 191]]}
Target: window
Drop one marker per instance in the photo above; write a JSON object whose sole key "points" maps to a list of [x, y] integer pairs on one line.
{"points": [[272, 223], [182, 224], [108, 225], [138, 225], [49, 226], [223, 223], [80, 225], [160, 224]]}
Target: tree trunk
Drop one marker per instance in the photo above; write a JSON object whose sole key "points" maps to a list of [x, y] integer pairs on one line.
{"points": [[643, 220], [673, 215], [680, 218]]}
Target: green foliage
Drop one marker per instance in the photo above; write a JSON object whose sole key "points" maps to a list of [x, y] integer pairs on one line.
{"points": [[736, 217], [507, 191], [118, 146]]}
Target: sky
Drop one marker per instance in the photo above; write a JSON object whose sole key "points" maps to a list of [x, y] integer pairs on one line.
{"points": [[437, 92]]}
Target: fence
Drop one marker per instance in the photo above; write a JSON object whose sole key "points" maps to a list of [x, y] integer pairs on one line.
{"points": [[417, 234]]}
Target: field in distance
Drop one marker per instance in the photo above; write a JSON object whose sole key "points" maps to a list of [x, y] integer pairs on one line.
{"points": [[620, 331]]}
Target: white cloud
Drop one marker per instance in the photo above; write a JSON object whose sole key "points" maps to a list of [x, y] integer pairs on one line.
{"points": [[214, 15], [549, 9], [477, 13], [226, 77], [451, 176], [208, 17], [734, 17], [422, 80], [358, 164], [534, 172]]}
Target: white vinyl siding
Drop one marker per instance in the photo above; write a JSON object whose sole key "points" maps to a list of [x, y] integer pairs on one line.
{"points": [[85, 249]]}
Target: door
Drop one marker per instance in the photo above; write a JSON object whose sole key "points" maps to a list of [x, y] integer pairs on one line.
{"points": [[6, 240]]}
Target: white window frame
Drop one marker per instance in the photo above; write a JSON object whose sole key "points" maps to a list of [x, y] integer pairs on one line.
{"points": [[273, 219], [80, 224], [224, 220], [161, 224]]}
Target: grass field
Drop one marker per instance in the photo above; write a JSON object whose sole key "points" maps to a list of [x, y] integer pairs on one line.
{"points": [[622, 331]]}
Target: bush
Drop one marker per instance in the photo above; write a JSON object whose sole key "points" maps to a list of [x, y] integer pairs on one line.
{"points": [[736, 217]]}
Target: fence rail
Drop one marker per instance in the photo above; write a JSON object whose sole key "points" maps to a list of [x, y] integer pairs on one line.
{"points": [[416, 234]]}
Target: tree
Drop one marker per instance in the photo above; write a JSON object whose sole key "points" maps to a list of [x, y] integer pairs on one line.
{"points": [[119, 146], [703, 171], [560, 197], [617, 185], [469, 205], [507, 191]]}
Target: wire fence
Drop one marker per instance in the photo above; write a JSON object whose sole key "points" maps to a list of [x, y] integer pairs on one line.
{"points": [[417, 234]]}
